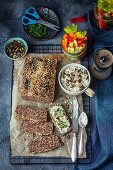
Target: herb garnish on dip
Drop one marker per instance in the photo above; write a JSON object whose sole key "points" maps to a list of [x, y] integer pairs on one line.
{"points": [[75, 79]]}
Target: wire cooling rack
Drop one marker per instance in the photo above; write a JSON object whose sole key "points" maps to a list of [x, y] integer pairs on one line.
{"points": [[88, 104]]}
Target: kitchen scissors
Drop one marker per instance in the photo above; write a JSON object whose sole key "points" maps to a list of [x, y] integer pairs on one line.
{"points": [[32, 11]]}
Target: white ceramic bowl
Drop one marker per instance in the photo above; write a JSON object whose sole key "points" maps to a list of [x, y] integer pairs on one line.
{"points": [[87, 90]]}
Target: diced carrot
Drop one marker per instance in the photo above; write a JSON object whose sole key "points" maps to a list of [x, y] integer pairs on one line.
{"points": [[102, 24], [68, 36], [82, 40], [65, 36], [101, 12], [65, 43], [70, 42], [85, 38], [74, 34], [79, 42], [71, 39], [66, 48], [82, 45], [71, 35]]}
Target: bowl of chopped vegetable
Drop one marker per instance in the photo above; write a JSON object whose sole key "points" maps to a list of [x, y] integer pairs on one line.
{"points": [[103, 11], [15, 48], [74, 43]]}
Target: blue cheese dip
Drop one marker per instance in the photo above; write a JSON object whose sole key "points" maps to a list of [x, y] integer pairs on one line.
{"points": [[75, 79], [61, 121]]}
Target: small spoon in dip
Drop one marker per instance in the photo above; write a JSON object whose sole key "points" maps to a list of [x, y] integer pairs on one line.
{"points": [[83, 121]]}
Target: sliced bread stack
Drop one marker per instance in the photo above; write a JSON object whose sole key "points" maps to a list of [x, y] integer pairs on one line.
{"points": [[34, 120]]}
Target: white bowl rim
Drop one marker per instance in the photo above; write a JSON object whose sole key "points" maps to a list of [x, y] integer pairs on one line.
{"points": [[12, 40], [67, 91]]}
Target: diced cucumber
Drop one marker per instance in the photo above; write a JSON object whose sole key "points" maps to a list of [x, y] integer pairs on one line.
{"points": [[75, 43], [78, 49], [71, 50], [71, 44]]}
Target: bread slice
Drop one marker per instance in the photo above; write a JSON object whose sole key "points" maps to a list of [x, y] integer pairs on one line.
{"points": [[37, 128], [31, 113], [39, 79], [44, 144], [60, 119]]}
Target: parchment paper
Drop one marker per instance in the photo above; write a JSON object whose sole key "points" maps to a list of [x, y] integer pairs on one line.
{"points": [[18, 139]]}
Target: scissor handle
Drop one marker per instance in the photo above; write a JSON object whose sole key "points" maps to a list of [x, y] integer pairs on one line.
{"points": [[33, 13], [29, 21]]}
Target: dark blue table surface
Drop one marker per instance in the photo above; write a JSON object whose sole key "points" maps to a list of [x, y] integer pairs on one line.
{"points": [[11, 12]]}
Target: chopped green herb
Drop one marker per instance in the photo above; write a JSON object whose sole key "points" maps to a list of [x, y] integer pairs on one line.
{"points": [[63, 125], [38, 30], [67, 100], [61, 110]]}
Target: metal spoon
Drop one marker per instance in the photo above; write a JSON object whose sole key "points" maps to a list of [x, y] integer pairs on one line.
{"points": [[83, 121]]}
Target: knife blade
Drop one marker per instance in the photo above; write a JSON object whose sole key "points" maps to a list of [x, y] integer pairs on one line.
{"points": [[75, 115], [75, 128]]}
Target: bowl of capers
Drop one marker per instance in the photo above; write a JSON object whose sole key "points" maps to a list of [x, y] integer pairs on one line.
{"points": [[15, 48]]}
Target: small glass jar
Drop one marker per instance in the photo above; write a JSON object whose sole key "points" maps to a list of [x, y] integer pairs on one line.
{"points": [[104, 22], [76, 56]]}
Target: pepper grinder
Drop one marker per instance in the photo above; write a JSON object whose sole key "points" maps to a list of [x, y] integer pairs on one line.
{"points": [[102, 66]]}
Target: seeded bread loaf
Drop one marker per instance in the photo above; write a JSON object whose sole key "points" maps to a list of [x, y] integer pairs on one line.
{"points": [[44, 144], [31, 113], [60, 119], [37, 128], [39, 79]]}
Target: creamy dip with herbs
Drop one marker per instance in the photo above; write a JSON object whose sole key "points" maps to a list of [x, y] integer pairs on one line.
{"points": [[75, 79], [60, 119]]}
